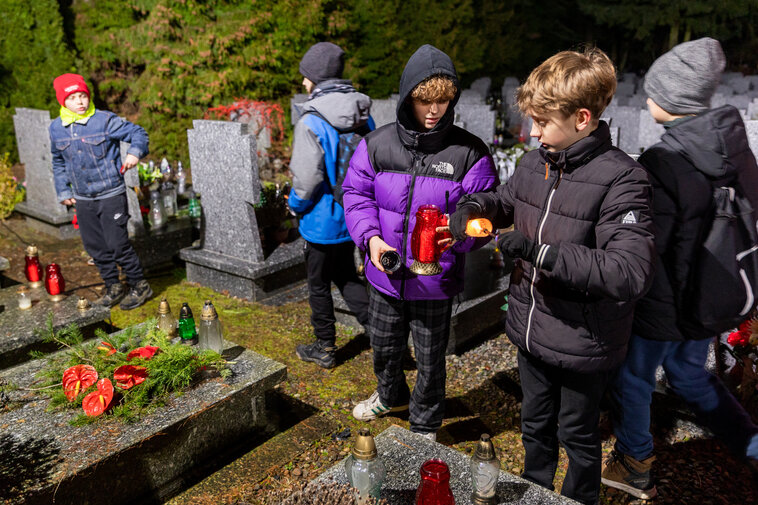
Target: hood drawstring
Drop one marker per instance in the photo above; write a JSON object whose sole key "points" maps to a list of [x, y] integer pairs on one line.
{"points": [[547, 170]]}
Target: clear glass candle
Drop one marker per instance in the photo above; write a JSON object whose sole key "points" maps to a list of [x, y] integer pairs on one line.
{"points": [[210, 336], [365, 469], [24, 298]]}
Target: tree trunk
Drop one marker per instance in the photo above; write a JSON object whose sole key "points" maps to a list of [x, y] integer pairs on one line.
{"points": [[674, 34]]}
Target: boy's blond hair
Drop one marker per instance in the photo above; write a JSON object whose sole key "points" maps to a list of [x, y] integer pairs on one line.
{"points": [[569, 81], [436, 88]]}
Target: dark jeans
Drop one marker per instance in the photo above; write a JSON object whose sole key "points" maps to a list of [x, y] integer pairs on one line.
{"points": [[706, 395], [327, 264], [561, 405], [102, 225], [428, 322]]}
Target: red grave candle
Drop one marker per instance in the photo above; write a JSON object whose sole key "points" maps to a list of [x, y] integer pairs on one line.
{"points": [[424, 238], [434, 488], [55, 284], [33, 268]]}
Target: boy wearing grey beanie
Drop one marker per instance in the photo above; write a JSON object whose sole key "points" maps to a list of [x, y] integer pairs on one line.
{"points": [[702, 148]]}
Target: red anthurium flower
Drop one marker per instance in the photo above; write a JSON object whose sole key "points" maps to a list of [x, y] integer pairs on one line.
{"points": [[107, 347], [146, 352], [129, 375], [78, 378], [98, 401], [738, 338]]}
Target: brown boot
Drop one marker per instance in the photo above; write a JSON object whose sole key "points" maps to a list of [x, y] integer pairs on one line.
{"points": [[627, 474]]}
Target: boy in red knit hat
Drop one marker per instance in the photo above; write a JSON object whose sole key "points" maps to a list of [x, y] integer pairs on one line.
{"points": [[85, 143]]}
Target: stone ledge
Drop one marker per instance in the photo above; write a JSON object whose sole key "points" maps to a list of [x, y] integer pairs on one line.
{"points": [[404, 453], [17, 337], [114, 463]]}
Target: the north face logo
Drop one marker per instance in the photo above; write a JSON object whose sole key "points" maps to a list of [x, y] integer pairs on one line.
{"points": [[443, 167], [629, 218]]}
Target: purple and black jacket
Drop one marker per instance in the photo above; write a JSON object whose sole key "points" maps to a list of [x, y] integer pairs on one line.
{"points": [[396, 169]]}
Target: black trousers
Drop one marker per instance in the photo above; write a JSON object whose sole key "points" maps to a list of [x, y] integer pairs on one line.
{"points": [[102, 225], [428, 322], [561, 405], [327, 264]]}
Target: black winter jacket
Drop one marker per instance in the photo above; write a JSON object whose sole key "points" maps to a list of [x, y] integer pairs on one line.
{"points": [[694, 156], [592, 202]]}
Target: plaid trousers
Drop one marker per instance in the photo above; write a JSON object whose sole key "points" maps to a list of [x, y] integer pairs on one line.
{"points": [[428, 321]]}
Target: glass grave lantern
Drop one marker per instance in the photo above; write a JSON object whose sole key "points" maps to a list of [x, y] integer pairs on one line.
{"points": [[157, 215], [82, 304], [365, 469], [55, 284], [434, 488], [187, 331], [166, 320], [425, 245], [33, 268], [210, 329], [485, 470], [24, 298]]}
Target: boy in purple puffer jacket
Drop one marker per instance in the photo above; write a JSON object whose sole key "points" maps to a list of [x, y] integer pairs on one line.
{"points": [[416, 161]]}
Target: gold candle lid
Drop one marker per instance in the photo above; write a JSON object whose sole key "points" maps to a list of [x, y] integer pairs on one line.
{"points": [[82, 303], [22, 289], [164, 308], [31, 250], [485, 450], [209, 312], [364, 447]]}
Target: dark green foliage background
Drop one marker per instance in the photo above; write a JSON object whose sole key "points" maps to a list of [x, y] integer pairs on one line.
{"points": [[162, 63]]}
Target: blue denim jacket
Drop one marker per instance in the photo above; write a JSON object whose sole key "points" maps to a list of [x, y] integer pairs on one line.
{"points": [[87, 157]]}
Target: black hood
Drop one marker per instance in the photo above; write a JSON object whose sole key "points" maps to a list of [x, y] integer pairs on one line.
{"points": [[426, 62], [714, 141]]}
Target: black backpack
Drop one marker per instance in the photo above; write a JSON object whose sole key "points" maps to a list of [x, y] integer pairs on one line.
{"points": [[724, 278], [348, 142]]}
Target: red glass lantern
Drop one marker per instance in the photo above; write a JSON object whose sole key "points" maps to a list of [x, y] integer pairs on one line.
{"points": [[33, 268], [55, 284], [425, 239], [434, 488]]}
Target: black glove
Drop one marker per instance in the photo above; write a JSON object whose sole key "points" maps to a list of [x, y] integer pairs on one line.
{"points": [[516, 245], [462, 215]]}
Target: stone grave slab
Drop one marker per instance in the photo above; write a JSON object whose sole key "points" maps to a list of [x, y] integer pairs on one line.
{"points": [[638, 101], [17, 326], [404, 452], [650, 131], [477, 118], [470, 96], [625, 88], [384, 111], [231, 257], [41, 208], [627, 120], [112, 463], [751, 128], [482, 86]]}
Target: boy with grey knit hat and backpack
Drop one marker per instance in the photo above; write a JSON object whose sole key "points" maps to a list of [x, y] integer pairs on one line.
{"points": [[703, 151]]}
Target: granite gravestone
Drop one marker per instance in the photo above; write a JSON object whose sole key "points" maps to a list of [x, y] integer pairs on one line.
{"points": [[482, 86], [477, 118], [383, 111], [147, 461], [650, 131], [231, 257], [403, 453], [627, 120], [42, 210]]}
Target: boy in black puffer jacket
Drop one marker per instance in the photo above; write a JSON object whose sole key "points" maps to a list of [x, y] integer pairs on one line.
{"points": [[583, 245], [701, 148]]}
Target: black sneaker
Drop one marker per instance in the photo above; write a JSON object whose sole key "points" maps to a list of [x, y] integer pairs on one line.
{"points": [[113, 294], [318, 352], [137, 296]]}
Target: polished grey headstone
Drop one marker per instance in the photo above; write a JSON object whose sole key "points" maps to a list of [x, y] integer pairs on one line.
{"points": [[113, 463], [625, 88], [470, 96], [41, 207], [17, 327], [404, 452], [478, 118], [650, 131], [135, 226], [230, 256], [627, 120], [482, 86], [383, 111]]}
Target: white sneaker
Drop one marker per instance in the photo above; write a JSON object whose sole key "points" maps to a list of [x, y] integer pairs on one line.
{"points": [[370, 409], [430, 435]]}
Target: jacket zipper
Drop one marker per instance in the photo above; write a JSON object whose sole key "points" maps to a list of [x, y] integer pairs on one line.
{"points": [[539, 242], [406, 220]]}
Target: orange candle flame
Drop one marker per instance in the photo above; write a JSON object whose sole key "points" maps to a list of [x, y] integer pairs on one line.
{"points": [[481, 227]]}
